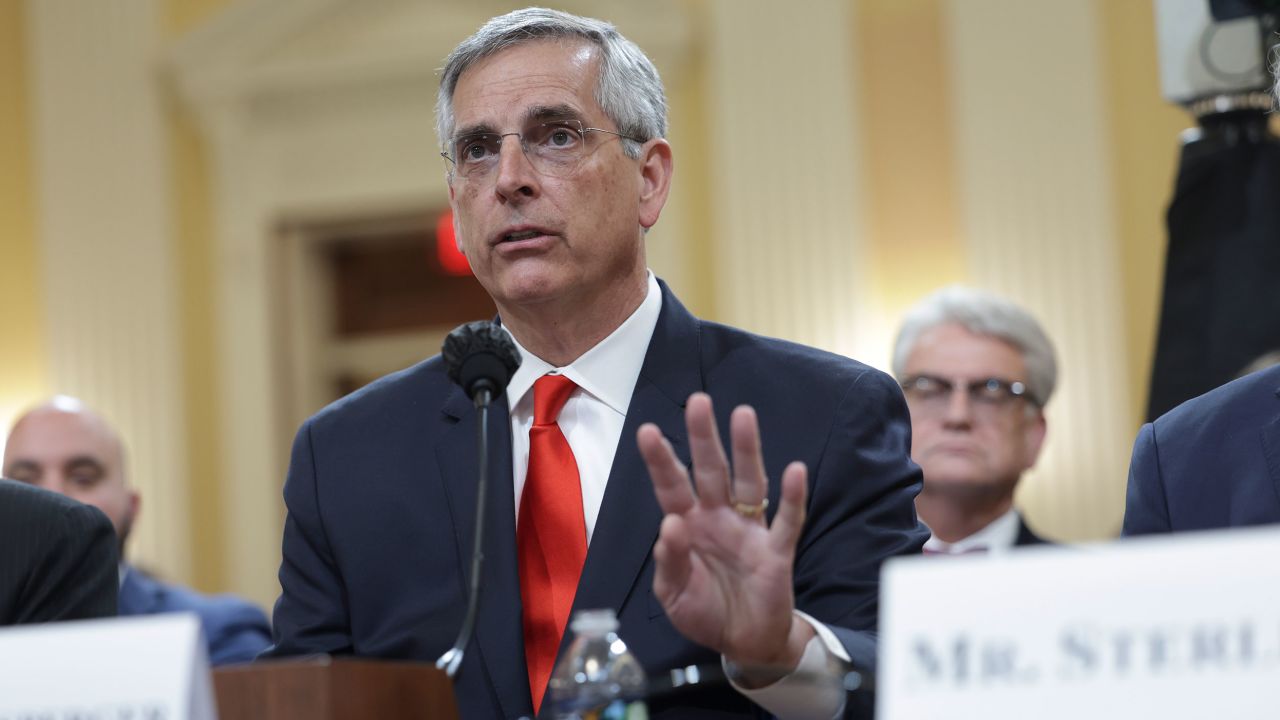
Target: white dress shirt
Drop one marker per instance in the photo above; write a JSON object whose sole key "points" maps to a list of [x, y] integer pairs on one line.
{"points": [[592, 421], [592, 418], [997, 538]]}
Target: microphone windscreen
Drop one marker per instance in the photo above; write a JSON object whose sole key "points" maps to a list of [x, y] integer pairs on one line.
{"points": [[480, 355]]}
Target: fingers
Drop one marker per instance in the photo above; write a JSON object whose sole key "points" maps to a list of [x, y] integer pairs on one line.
{"points": [[672, 561], [670, 480], [710, 466], [715, 484], [750, 484], [784, 533]]}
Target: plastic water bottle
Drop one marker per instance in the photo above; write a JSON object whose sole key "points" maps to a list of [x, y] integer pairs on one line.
{"points": [[598, 679]]}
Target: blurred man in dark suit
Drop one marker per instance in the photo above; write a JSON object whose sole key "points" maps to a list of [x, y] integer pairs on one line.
{"points": [[57, 558], [1211, 462], [65, 447], [977, 371]]}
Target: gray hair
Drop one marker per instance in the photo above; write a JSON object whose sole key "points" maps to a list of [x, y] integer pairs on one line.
{"points": [[629, 89], [1262, 362], [982, 313]]}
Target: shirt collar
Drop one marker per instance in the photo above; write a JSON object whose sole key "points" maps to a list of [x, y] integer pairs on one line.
{"points": [[998, 536], [608, 371]]}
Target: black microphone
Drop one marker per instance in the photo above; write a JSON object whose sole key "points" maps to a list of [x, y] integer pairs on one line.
{"points": [[480, 357]]}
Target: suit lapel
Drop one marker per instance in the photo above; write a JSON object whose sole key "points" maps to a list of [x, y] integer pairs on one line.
{"points": [[499, 638], [629, 513], [1025, 535]]}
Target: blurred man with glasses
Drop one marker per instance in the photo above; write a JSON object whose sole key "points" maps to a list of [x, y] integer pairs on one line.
{"points": [[977, 371]]}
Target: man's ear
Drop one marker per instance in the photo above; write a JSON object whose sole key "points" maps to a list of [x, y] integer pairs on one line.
{"points": [[655, 180]]}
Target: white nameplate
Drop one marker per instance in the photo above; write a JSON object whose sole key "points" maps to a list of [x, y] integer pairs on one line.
{"points": [[1172, 627], [144, 668]]}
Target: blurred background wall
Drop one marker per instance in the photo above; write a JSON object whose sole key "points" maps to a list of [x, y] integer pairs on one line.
{"points": [[177, 177]]}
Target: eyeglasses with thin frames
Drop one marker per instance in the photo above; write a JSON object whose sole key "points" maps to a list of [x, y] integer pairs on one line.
{"points": [[987, 397], [553, 149]]}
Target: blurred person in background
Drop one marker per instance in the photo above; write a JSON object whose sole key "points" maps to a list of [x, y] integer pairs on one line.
{"points": [[57, 558], [65, 447], [977, 371], [1211, 462]]}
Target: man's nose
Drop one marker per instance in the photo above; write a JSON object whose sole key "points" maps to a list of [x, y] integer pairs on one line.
{"points": [[959, 407], [516, 177], [53, 482]]}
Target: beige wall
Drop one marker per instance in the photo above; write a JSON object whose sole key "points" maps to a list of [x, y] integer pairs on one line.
{"points": [[22, 363], [913, 207], [908, 184], [26, 374], [193, 238], [1144, 132]]}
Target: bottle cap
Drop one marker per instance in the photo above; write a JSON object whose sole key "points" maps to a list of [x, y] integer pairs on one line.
{"points": [[593, 622]]}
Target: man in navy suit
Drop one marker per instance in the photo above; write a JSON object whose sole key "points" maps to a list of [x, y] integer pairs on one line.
{"points": [[65, 447], [1211, 462], [553, 128]]}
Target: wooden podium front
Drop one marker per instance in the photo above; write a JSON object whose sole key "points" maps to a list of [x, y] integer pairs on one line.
{"points": [[330, 688]]}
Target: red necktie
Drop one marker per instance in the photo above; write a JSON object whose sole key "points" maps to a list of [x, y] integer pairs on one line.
{"points": [[551, 534]]}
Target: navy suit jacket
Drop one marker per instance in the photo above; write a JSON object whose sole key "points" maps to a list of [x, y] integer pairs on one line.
{"points": [[1211, 462], [234, 629], [381, 499]]}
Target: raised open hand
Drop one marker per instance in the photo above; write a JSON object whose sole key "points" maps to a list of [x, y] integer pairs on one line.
{"points": [[724, 575]]}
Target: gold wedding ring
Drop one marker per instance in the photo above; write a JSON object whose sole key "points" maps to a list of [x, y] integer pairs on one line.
{"points": [[751, 512]]}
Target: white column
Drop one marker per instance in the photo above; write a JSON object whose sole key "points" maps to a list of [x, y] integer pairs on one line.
{"points": [[1036, 201], [101, 161], [785, 163], [247, 377]]}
